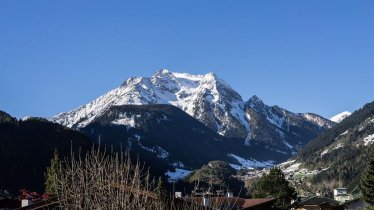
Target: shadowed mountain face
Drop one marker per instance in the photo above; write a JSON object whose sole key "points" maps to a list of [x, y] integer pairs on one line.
{"points": [[26, 148], [212, 102], [170, 137]]}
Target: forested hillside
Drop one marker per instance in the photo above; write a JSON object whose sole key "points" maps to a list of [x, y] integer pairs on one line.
{"points": [[26, 148], [342, 150]]}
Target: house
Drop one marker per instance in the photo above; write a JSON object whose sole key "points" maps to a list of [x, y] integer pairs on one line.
{"points": [[232, 202], [223, 199], [47, 204], [341, 195], [318, 203], [355, 204]]}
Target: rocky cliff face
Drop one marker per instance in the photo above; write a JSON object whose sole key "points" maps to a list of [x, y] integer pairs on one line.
{"points": [[281, 129]]}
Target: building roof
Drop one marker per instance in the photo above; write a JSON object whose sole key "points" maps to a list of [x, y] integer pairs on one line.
{"points": [[5, 195], [216, 201], [317, 201], [354, 201], [44, 204], [248, 203], [241, 203]]}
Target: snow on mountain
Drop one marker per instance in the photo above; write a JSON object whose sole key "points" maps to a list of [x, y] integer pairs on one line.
{"points": [[26, 118], [341, 116], [316, 119]]}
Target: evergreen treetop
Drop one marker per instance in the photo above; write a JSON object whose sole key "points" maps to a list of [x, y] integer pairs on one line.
{"points": [[367, 181], [52, 170], [274, 185]]}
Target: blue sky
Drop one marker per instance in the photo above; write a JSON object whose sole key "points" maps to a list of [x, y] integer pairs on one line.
{"points": [[306, 56]]}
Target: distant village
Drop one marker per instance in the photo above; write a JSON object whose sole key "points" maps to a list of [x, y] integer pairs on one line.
{"points": [[210, 199]]}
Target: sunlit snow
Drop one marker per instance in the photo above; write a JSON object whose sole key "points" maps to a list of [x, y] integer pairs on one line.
{"points": [[177, 174], [341, 116], [369, 140], [250, 164]]}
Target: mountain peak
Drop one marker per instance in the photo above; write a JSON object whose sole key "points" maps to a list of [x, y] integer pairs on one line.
{"points": [[163, 71], [255, 101], [255, 98], [341, 116], [210, 76]]}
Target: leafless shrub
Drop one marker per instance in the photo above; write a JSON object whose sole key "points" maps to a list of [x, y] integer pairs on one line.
{"points": [[100, 180]]}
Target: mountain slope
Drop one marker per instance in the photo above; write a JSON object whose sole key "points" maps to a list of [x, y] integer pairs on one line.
{"points": [[26, 148], [212, 102], [169, 137], [342, 150]]}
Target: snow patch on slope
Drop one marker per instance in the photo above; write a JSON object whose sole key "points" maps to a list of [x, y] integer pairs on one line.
{"points": [[337, 146], [176, 175], [369, 140], [125, 120], [275, 120], [250, 164], [315, 119], [289, 166]]}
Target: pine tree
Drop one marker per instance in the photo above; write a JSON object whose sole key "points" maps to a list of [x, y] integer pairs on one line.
{"points": [[367, 181], [275, 185], [50, 182]]}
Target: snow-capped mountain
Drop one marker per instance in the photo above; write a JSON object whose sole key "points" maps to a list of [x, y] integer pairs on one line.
{"points": [[341, 116], [211, 101], [205, 97]]}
